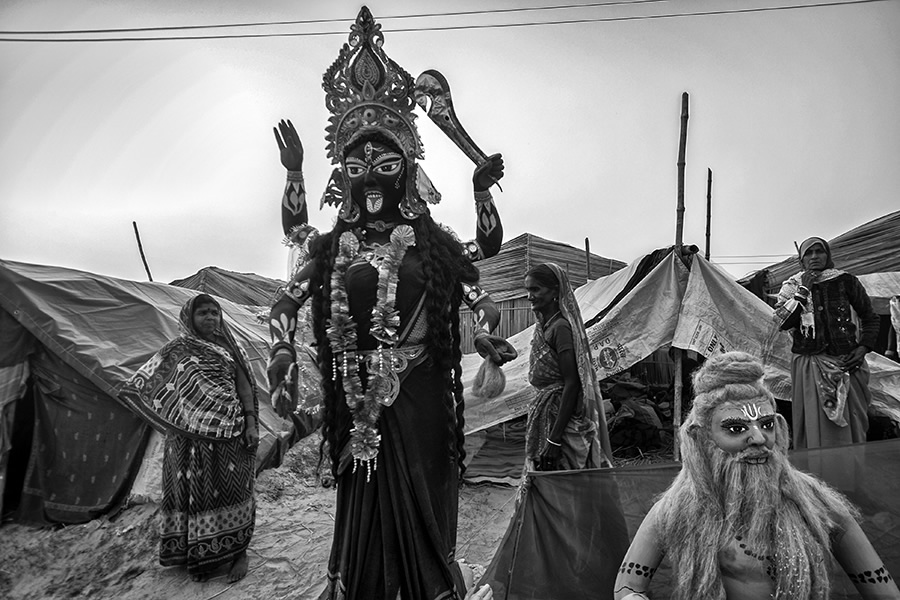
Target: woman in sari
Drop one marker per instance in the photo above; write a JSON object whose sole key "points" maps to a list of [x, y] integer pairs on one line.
{"points": [[198, 389], [566, 425]]}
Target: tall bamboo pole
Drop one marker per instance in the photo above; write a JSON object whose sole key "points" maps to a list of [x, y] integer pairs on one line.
{"points": [[587, 256], [137, 236], [708, 207], [679, 234]]}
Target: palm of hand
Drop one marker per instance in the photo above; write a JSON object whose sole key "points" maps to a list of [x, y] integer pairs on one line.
{"points": [[289, 145]]}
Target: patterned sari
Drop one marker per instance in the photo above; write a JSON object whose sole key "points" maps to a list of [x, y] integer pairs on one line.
{"points": [[585, 442], [188, 389]]}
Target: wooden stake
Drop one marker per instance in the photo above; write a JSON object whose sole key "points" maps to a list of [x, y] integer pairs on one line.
{"points": [[587, 256], [708, 207], [137, 236], [679, 240]]}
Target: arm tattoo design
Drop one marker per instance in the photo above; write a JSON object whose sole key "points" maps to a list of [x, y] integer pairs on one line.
{"points": [[879, 575]]}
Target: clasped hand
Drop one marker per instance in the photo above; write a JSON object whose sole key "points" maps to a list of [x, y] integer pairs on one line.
{"points": [[497, 348], [488, 173], [282, 385]]}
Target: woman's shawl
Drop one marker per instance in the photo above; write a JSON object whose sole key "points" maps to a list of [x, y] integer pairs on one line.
{"points": [[190, 385], [593, 401]]}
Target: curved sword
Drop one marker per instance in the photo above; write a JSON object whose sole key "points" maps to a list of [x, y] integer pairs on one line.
{"points": [[432, 86]]}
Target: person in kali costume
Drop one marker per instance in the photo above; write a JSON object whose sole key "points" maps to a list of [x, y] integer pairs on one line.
{"points": [[740, 522], [384, 288]]}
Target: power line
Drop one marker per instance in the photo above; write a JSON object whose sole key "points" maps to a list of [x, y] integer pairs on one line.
{"points": [[345, 20], [447, 27]]}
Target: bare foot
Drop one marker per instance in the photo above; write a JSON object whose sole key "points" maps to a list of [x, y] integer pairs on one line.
{"points": [[238, 567], [199, 577]]}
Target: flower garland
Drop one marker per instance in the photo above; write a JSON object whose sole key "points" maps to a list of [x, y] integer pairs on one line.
{"points": [[366, 406]]}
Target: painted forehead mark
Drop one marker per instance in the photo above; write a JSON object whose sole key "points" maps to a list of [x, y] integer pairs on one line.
{"points": [[754, 413]]}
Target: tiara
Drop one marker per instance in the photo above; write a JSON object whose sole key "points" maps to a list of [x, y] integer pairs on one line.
{"points": [[367, 92]]}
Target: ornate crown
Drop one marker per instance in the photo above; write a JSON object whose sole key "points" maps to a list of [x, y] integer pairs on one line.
{"points": [[366, 92]]}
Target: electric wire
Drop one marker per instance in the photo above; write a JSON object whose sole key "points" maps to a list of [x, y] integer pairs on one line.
{"points": [[438, 28]]}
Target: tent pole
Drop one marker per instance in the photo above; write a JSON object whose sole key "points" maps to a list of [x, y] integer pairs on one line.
{"points": [[137, 236], [708, 207], [679, 235], [587, 256]]}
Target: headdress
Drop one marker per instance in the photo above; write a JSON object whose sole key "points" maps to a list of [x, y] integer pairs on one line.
{"points": [[369, 94]]}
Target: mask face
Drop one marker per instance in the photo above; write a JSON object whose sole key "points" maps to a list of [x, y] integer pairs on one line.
{"points": [[738, 426], [206, 320], [377, 177]]}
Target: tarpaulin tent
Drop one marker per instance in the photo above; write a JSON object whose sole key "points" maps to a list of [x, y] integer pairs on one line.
{"points": [[634, 312], [71, 339], [569, 534]]}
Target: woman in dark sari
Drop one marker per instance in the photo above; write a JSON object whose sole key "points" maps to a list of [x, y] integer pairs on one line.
{"points": [[199, 390], [384, 287], [566, 425]]}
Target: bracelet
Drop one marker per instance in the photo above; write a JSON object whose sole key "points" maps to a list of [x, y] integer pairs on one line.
{"points": [[282, 345], [483, 196], [295, 176], [549, 441]]}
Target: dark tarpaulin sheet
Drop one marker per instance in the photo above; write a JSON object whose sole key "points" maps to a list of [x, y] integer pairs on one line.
{"points": [[569, 535], [85, 451]]}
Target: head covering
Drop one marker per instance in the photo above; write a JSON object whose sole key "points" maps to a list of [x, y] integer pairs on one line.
{"points": [[593, 400], [370, 96], [810, 242], [190, 385]]}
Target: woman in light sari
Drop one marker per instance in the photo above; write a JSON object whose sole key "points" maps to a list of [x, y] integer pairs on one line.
{"points": [[566, 425]]}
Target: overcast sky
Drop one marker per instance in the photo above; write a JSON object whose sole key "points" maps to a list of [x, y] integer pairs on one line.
{"points": [[795, 111]]}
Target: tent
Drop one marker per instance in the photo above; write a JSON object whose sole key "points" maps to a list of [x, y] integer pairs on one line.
{"points": [[248, 289], [660, 302], [569, 534], [69, 451], [873, 247]]}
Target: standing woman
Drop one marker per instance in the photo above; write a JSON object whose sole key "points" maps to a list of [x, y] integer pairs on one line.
{"points": [[566, 425], [198, 389]]}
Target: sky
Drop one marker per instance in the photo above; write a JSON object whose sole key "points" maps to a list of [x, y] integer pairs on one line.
{"points": [[793, 110]]}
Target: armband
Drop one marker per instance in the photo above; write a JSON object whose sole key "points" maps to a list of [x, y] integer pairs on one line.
{"points": [[278, 346], [295, 176], [482, 197]]}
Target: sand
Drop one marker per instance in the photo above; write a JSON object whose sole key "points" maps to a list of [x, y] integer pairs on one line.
{"points": [[117, 557]]}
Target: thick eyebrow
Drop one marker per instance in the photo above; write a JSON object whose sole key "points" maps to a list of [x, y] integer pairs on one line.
{"points": [[387, 156], [728, 422]]}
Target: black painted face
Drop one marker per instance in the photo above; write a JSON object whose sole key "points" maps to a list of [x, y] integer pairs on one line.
{"points": [[377, 178]]}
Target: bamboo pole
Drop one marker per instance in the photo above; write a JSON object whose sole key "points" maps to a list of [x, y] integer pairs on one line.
{"points": [[679, 235], [137, 236], [708, 207], [587, 256]]}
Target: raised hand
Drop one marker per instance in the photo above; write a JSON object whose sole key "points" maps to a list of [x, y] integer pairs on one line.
{"points": [[488, 173], [289, 145]]}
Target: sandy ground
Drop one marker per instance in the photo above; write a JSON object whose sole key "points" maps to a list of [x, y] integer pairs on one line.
{"points": [[117, 558]]}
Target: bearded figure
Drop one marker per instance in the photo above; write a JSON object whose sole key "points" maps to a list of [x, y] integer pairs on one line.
{"points": [[740, 522]]}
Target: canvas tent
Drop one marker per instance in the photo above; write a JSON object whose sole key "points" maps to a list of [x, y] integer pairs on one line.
{"points": [[572, 529], [69, 451], [658, 302], [873, 247], [249, 289], [698, 308]]}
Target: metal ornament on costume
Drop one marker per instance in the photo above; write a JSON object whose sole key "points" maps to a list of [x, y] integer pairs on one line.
{"points": [[368, 93]]}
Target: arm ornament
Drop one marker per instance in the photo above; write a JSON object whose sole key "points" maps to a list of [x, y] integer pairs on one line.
{"points": [[298, 290], [472, 250], [283, 345], [473, 294]]}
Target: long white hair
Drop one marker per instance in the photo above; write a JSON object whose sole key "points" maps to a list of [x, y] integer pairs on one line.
{"points": [[785, 516]]}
